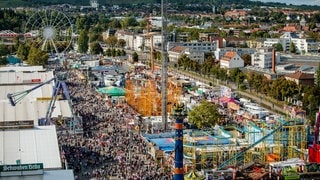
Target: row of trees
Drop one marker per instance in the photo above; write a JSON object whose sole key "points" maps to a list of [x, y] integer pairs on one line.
{"points": [[32, 54], [280, 89]]}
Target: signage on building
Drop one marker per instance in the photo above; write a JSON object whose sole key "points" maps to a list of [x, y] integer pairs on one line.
{"points": [[21, 167], [32, 81], [35, 80]]}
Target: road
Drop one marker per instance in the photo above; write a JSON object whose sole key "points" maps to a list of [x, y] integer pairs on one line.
{"points": [[260, 99]]}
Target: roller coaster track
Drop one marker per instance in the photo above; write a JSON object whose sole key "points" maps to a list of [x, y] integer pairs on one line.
{"points": [[240, 154]]}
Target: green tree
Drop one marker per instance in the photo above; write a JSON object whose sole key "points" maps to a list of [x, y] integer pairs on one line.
{"points": [[22, 52], [135, 57], [292, 48], [207, 65], [37, 57], [121, 43], [108, 52], [81, 23], [240, 78], [83, 42], [112, 41], [123, 52], [247, 59], [250, 79], [95, 48], [318, 77], [278, 47], [3, 60], [115, 24], [234, 73], [143, 23], [205, 115], [184, 61], [4, 50], [128, 22]]}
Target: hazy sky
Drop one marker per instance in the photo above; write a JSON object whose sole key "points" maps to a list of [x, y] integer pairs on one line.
{"points": [[295, 2]]}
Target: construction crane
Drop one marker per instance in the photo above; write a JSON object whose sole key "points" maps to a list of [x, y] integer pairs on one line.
{"points": [[59, 79], [314, 149]]}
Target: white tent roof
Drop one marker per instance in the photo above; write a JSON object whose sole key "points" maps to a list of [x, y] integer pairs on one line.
{"points": [[37, 145], [30, 107], [21, 68], [32, 110], [24, 77]]}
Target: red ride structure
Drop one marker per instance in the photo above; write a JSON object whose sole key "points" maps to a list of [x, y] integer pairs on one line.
{"points": [[314, 149]]}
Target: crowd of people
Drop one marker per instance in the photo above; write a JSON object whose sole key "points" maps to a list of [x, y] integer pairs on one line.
{"points": [[107, 148]]}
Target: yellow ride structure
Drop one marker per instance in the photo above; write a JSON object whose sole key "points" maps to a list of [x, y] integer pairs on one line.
{"points": [[143, 96]]}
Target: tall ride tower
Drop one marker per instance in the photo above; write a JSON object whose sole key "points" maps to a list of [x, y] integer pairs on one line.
{"points": [[164, 68], [178, 113]]}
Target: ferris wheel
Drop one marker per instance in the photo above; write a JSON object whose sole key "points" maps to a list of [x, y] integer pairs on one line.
{"points": [[49, 30]]}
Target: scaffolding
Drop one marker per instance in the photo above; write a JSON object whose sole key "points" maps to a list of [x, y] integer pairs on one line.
{"points": [[143, 96]]}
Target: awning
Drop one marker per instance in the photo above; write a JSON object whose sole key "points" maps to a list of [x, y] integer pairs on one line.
{"points": [[112, 91]]}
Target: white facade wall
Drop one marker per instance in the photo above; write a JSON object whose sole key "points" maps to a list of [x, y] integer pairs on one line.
{"points": [[195, 55], [240, 51], [128, 38], [263, 58], [201, 46], [157, 40], [269, 42], [174, 56], [302, 45], [138, 43], [235, 62], [305, 45]]}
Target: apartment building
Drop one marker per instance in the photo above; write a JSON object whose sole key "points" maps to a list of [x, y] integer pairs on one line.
{"points": [[176, 52], [263, 58], [302, 45], [195, 45]]}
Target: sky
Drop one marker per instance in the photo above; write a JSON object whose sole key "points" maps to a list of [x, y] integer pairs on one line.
{"points": [[294, 2]]}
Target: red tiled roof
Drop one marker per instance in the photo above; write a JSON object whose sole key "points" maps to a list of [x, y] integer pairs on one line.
{"points": [[290, 29], [228, 56], [178, 49], [300, 75]]}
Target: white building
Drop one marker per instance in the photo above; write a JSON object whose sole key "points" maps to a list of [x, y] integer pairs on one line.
{"points": [[240, 51], [305, 45], [138, 43], [231, 60], [263, 58], [269, 42], [176, 52], [195, 55], [302, 45], [128, 37], [200, 46]]}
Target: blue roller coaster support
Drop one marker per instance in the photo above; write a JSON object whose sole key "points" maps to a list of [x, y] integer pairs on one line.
{"points": [[240, 154]]}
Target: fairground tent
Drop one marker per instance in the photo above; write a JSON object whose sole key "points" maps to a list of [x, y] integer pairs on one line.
{"points": [[112, 91]]}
